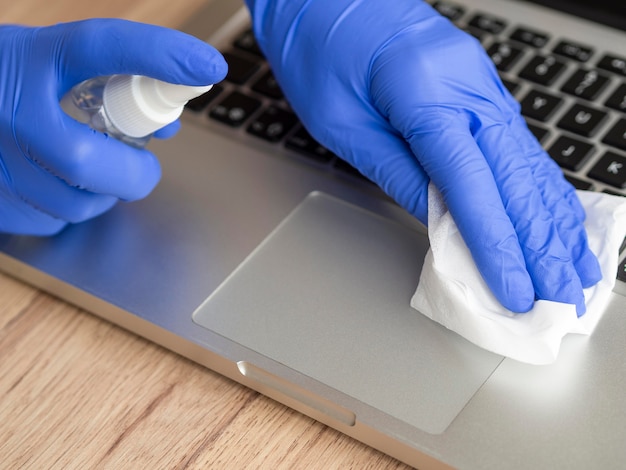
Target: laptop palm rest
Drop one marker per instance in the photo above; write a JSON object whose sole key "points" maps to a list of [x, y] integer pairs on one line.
{"points": [[327, 294]]}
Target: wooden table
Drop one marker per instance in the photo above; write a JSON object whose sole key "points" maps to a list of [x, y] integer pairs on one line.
{"points": [[78, 392]]}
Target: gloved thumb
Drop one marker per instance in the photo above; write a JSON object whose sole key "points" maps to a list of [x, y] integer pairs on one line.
{"points": [[98, 47]]}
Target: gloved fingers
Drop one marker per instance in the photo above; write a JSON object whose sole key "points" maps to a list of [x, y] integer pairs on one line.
{"points": [[108, 46], [450, 155], [561, 200], [89, 160], [20, 218], [54, 197], [168, 131], [547, 172], [548, 260]]}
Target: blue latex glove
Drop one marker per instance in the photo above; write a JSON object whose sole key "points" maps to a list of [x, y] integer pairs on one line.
{"points": [[55, 170], [406, 97]]}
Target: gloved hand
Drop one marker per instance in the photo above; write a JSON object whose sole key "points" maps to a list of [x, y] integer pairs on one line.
{"points": [[55, 170], [406, 97]]}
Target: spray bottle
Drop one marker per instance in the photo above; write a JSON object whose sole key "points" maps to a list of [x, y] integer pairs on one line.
{"points": [[129, 108]]}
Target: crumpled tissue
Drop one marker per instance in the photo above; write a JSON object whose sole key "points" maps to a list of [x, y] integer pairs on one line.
{"points": [[452, 292]]}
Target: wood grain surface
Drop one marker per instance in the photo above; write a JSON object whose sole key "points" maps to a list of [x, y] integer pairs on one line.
{"points": [[77, 392]]}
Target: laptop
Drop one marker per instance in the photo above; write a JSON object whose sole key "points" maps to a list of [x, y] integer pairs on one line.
{"points": [[265, 258]]}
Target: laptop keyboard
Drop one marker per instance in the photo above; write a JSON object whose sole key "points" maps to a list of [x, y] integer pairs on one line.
{"points": [[572, 96]]}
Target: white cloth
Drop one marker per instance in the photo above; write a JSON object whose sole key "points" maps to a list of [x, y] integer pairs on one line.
{"points": [[452, 292]]}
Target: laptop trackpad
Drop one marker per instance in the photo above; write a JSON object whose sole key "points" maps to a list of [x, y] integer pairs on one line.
{"points": [[327, 294]]}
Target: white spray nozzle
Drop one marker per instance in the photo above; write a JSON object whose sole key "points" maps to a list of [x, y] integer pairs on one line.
{"points": [[139, 105]]}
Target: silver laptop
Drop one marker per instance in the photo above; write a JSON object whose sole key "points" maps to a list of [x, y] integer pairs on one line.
{"points": [[263, 257]]}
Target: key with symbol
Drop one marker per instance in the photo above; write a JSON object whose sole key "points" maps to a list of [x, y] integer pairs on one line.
{"points": [[610, 169], [570, 153], [582, 120]]}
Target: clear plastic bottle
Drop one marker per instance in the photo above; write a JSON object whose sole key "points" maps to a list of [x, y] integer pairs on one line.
{"points": [[129, 108]]}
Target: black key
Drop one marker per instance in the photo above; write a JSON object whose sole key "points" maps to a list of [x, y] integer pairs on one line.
{"points": [[616, 193], [201, 102], [478, 34], [539, 105], [539, 132], [247, 42], [617, 135], [530, 38], [235, 109], [543, 69], [613, 64], [617, 100], [578, 183], [512, 86], [240, 69], [272, 124], [611, 169], [621, 271], [585, 84], [268, 86], [570, 153], [582, 120], [504, 55], [488, 23], [450, 10], [572, 50], [303, 143]]}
